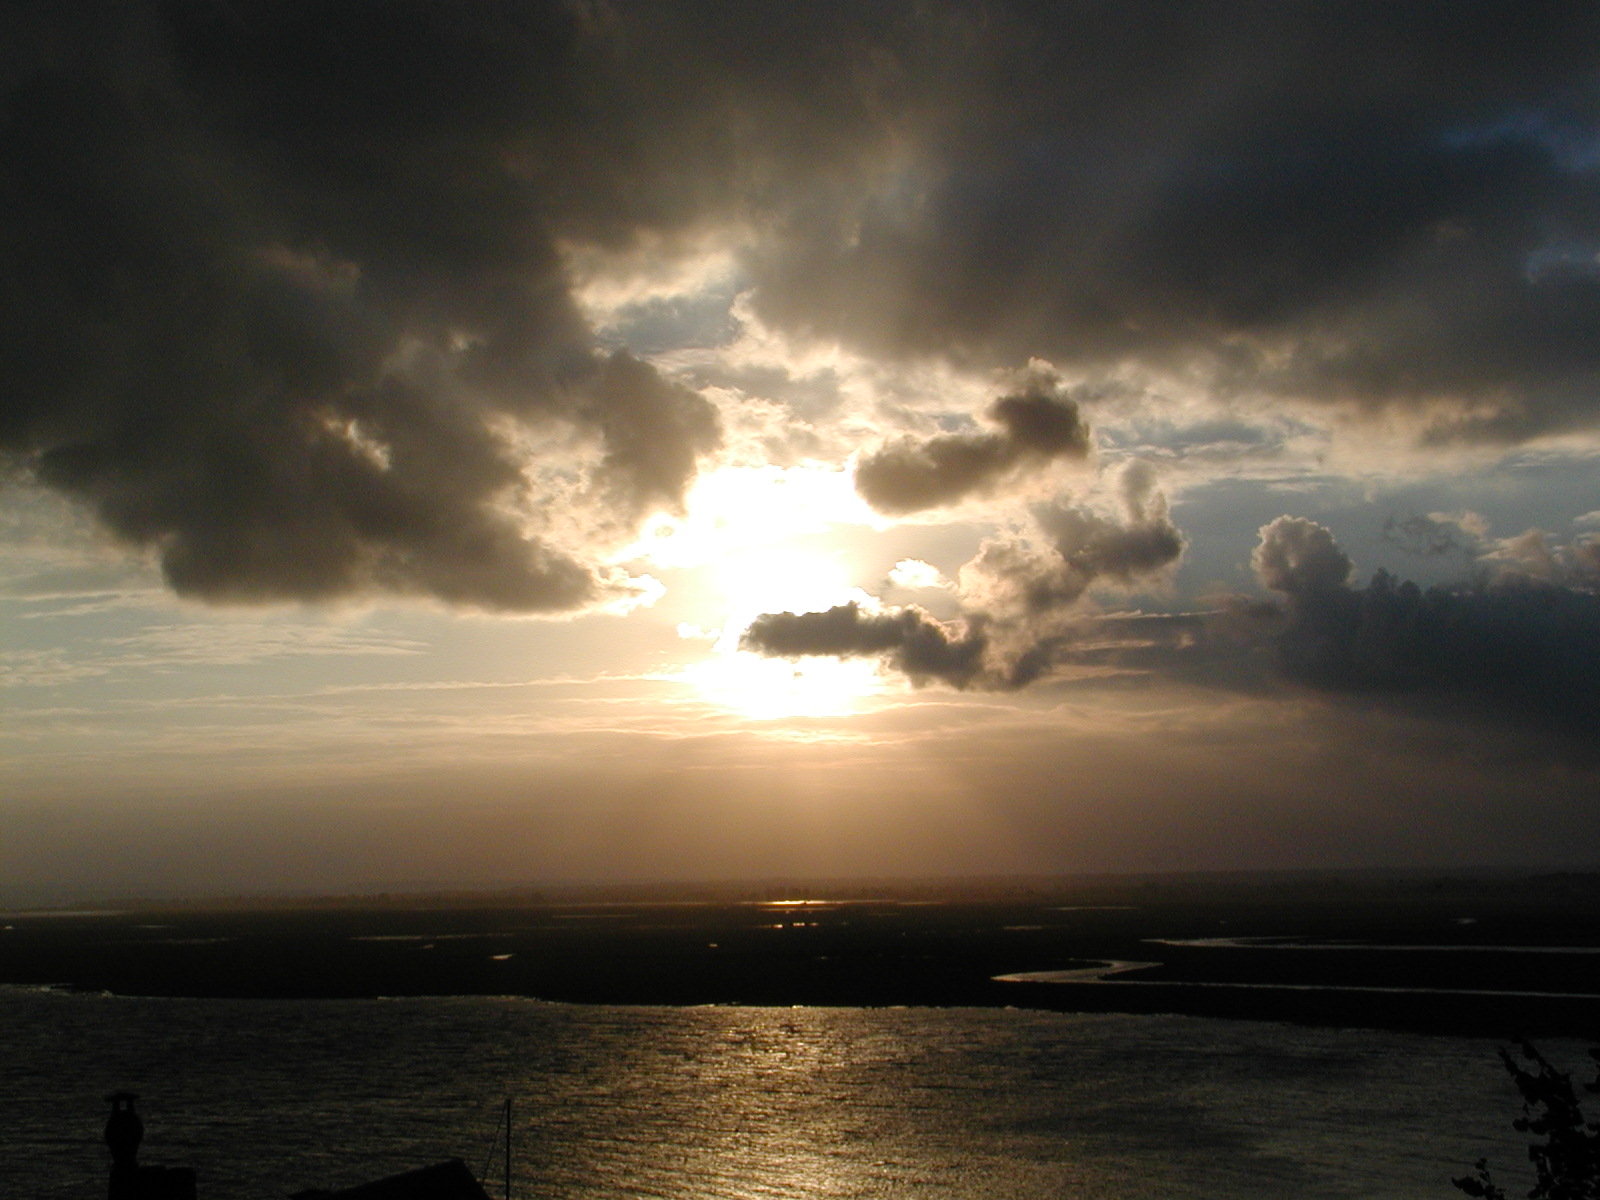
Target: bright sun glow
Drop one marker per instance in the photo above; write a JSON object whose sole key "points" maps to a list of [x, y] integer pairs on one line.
{"points": [[768, 689], [740, 510], [774, 580], [743, 536]]}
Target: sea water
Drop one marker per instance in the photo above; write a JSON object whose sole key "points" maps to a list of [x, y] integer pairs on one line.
{"points": [[267, 1097]]}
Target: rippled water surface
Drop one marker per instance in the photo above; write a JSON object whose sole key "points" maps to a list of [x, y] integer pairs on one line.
{"points": [[268, 1097]]}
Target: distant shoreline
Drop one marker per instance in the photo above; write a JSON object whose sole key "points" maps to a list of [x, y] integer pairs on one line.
{"points": [[1510, 958], [1078, 889]]}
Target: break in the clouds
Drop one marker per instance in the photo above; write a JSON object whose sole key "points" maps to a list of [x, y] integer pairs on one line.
{"points": [[1037, 424]]}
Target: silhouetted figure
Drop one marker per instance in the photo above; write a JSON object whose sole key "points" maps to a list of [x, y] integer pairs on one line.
{"points": [[130, 1181], [124, 1131]]}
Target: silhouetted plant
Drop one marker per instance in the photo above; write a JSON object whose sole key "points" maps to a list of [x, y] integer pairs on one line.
{"points": [[1563, 1147]]}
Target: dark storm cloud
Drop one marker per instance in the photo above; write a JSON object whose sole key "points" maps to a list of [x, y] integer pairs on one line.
{"points": [[1039, 423], [282, 292], [273, 296], [908, 639], [282, 296], [1387, 205], [1516, 648]]}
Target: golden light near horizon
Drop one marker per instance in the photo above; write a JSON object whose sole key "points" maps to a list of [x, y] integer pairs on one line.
{"points": [[767, 689], [748, 541], [1196, 508]]}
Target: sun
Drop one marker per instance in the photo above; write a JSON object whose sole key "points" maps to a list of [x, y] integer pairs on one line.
{"points": [[773, 580], [767, 689], [732, 511], [753, 540]]}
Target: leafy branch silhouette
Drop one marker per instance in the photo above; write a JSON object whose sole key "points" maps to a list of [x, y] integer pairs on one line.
{"points": [[1563, 1146]]}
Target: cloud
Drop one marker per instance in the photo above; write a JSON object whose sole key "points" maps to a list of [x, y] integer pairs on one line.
{"points": [[1506, 665], [1518, 650], [1383, 208], [1514, 653], [282, 302], [907, 639], [913, 574], [295, 298], [1017, 597], [1436, 534], [164, 648], [1535, 556], [1085, 548], [1299, 557], [1038, 423], [1527, 555], [1586, 559], [1145, 542], [653, 430]]}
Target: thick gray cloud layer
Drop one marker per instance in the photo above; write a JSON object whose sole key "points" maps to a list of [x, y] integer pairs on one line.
{"points": [[1391, 206], [282, 292], [1039, 423], [280, 296], [1515, 647]]}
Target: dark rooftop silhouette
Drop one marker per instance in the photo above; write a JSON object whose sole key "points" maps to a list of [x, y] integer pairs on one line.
{"points": [[449, 1180]]}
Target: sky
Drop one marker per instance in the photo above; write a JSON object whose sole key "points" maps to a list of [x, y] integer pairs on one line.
{"points": [[469, 444]]}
